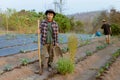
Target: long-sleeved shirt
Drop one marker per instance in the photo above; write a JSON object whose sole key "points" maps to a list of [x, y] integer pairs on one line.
{"points": [[44, 29]]}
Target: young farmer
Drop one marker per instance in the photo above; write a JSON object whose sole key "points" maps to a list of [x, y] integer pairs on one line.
{"points": [[107, 31], [49, 35]]}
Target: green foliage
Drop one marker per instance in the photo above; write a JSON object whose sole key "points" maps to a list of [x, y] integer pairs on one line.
{"points": [[63, 22], [83, 43], [7, 68], [101, 47], [24, 61], [117, 54], [72, 46], [115, 29], [65, 49], [78, 27], [10, 36], [88, 53], [22, 21], [26, 21], [22, 51], [65, 66]]}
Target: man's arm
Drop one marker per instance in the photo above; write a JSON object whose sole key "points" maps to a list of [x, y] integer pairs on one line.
{"points": [[57, 32]]}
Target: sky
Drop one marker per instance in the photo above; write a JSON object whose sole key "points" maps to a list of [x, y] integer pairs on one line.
{"points": [[69, 7]]}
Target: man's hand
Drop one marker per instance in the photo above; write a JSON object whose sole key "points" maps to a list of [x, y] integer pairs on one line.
{"points": [[57, 44], [38, 31]]}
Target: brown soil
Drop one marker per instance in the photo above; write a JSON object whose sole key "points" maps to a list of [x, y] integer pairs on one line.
{"points": [[114, 72], [84, 70]]}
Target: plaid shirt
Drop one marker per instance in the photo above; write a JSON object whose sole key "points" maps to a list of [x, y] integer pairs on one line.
{"points": [[43, 28]]}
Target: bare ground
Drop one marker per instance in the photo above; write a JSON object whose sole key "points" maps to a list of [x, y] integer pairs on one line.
{"points": [[85, 70]]}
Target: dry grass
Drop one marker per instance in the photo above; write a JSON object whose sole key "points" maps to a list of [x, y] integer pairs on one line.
{"points": [[72, 45]]}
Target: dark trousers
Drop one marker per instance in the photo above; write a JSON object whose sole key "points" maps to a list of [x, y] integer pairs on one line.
{"points": [[47, 55]]}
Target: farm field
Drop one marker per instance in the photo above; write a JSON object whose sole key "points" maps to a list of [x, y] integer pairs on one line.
{"points": [[91, 56]]}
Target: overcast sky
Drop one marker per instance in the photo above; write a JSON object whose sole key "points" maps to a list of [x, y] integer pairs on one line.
{"points": [[70, 6]]}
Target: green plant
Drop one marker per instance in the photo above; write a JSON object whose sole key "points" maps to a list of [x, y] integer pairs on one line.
{"points": [[10, 36], [115, 29], [108, 64], [100, 72], [117, 54], [101, 46], [72, 46], [22, 51], [88, 53], [7, 68], [65, 66], [24, 61], [65, 49], [83, 43]]}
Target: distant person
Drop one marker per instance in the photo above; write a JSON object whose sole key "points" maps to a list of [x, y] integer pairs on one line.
{"points": [[49, 36], [107, 30]]}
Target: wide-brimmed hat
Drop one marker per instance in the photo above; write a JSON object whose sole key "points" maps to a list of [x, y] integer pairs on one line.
{"points": [[50, 11]]}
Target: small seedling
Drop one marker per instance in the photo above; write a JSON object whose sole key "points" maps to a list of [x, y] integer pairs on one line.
{"points": [[88, 53], [61, 40], [10, 36], [24, 61], [35, 41], [7, 68], [22, 51], [100, 47], [65, 49]]}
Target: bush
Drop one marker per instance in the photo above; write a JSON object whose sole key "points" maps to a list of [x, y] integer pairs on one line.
{"points": [[65, 66], [64, 23], [115, 29]]}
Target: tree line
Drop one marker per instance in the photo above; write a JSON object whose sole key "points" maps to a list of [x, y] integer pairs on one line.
{"points": [[25, 21]]}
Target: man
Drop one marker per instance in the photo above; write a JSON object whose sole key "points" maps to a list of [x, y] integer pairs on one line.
{"points": [[49, 36], [107, 30]]}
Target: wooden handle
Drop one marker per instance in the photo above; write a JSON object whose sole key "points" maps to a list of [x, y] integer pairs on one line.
{"points": [[39, 55]]}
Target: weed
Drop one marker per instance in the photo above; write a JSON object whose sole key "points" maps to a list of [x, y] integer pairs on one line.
{"points": [[65, 49], [101, 47], [65, 66], [24, 61], [83, 43], [10, 36], [88, 53], [22, 51], [7, 68], [72, 46]]}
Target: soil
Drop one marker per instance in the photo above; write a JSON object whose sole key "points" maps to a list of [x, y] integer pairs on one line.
{"points": [[114, 72], [84, 70]]}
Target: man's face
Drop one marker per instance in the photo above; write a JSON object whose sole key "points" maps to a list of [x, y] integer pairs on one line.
{"points": [[104, 22], [50, 16]]}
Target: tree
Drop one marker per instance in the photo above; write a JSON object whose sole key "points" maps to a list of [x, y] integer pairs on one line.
{"points": [[78, 27], [97, 22], [63, 22]]}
